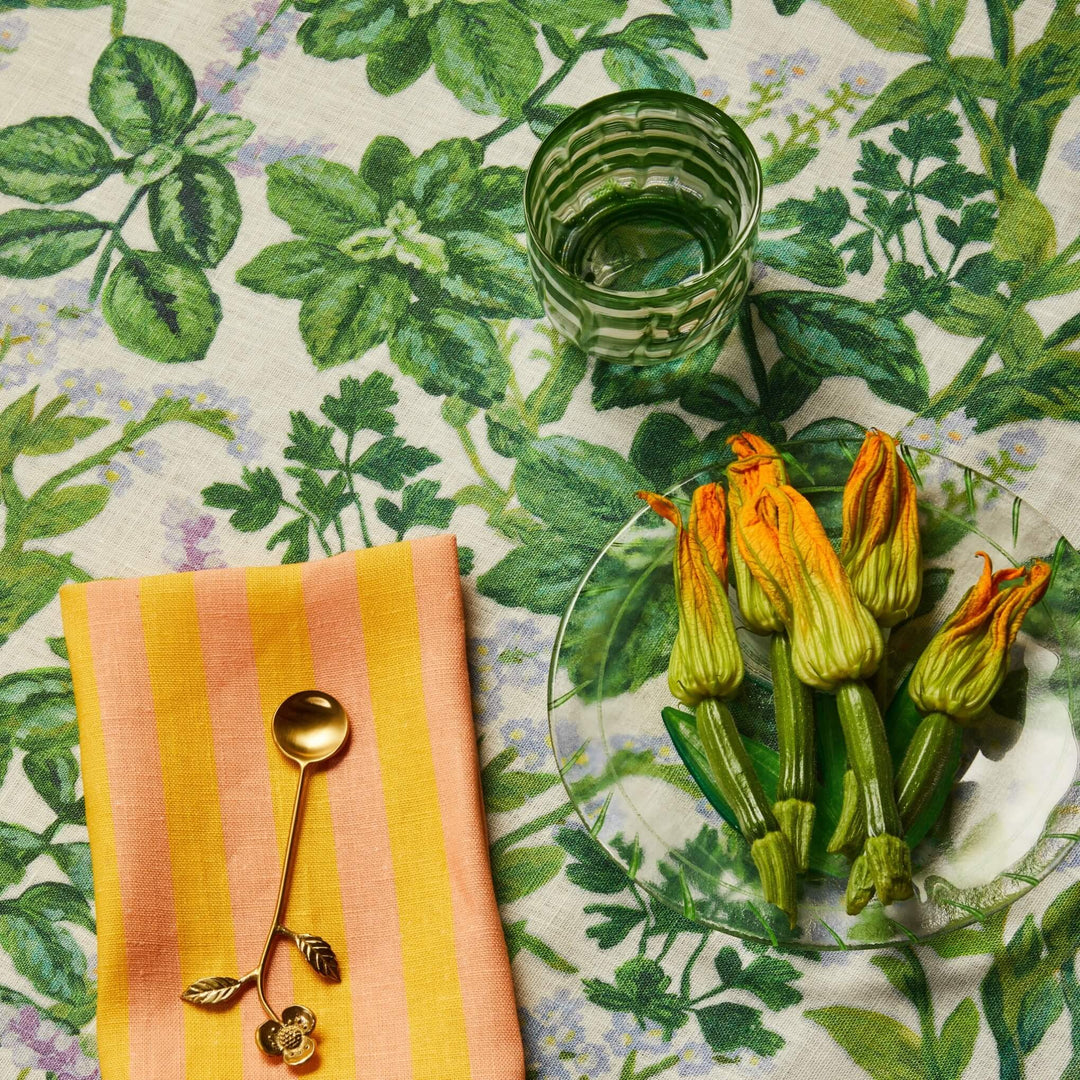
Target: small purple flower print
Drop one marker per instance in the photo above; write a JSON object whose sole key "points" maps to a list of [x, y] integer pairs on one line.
{"points": [[659, 745], [956, 428], [253, 157], [104, 392], [554, 1038], [939, 436], [36, 1043], [586, 759], [1070, 153], [626, 1034], [712, 88], [707, 812], [148, 456], [524, 652], [767, 70], [486, 699], [242, 30], [514, 656], [270, 10], [189, 532], [695, 1059], [802, 64], [1023, 444], [922, 434], [864, 78], [224, 85], [246, 442], [28, 338], [13, 33], [795, 105], [529, 737], [74, 316], [590, 1059], [116, 476]]}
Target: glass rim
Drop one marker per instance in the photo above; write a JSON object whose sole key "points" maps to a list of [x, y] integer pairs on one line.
{"points": [[702, 109]]}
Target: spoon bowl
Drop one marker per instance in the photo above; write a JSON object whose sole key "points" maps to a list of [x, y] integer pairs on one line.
{"points": [[310, 726]]}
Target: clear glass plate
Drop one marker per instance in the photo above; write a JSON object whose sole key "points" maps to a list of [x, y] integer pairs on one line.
{"points": [[1012, 814]]}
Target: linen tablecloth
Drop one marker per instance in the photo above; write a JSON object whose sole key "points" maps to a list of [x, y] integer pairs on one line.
{"points": [[264, 298]]}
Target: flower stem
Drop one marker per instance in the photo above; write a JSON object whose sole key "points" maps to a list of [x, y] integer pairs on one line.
{"points": [[734, 774], [841, 101], [469, 445], [584, 45], [753, 354], [925, 765], [352, 492], [132, 433], [794, 711], [115, 241], [732, 769], [957, 392], [314, 524], [684, 982], [119, 11], [868, 754], [919, 219]]}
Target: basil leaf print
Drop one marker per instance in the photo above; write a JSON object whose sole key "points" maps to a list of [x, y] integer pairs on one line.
{"points": [[635, 59], [37, 243], [161, 308], [411, 256], [159, 304], [52, 159], [400, 55], [486, 55], [451, 353], [831, 335], [195, 212], [578, 14], [293, 269], [141, 93], [349, 313], [320, 199]]}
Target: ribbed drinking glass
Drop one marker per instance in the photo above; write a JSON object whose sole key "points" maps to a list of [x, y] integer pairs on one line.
{"points": [[641, 212]]}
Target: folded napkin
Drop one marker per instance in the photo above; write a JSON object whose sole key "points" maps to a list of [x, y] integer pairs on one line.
{"points": [[188, 801]]}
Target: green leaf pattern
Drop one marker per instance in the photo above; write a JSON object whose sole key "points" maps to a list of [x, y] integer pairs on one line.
{"points": [[917, 271]]}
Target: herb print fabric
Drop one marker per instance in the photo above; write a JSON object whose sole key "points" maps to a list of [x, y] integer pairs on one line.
{"points": [[264, 296]]}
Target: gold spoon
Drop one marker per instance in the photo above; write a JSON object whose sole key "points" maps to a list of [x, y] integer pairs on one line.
{"points": [[309, 727]]}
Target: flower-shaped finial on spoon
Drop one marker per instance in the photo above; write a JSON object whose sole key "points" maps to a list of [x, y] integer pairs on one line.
{"points": [[290, 1039]]}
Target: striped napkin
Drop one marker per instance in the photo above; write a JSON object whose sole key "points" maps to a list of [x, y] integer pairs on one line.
{"points": [[188, 800]]}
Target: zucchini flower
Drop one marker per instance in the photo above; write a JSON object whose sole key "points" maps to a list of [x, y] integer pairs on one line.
{"points": [[965, 664], [705, 667], [880, 548], [882, 554], [834, 639], [705, 662], [952, 685], [835, 644], [758, 465]]}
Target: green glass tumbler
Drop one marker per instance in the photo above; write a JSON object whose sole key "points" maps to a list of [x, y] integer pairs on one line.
{"points": [[641, 211]]}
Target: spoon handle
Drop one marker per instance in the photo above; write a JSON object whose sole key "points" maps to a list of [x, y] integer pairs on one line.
{"points": [[283, 887]]}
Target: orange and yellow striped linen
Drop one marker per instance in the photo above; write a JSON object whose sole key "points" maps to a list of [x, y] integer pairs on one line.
{"points": [[188, 800]]}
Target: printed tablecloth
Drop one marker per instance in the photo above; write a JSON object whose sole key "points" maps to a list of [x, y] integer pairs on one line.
{"points": [[263, 295]]}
